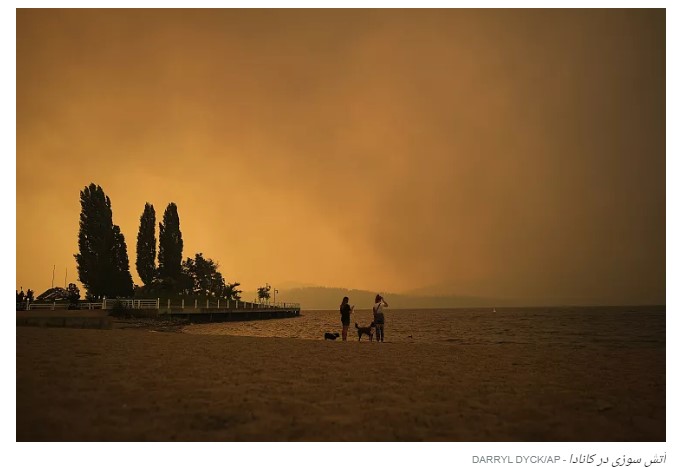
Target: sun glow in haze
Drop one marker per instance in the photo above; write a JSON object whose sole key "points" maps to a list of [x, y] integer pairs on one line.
{"points": [[501, 153]]}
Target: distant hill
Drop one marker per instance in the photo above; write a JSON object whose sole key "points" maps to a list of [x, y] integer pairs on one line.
{"points": [[328, 298]]}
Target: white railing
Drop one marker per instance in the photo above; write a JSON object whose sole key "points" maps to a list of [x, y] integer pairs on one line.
{"points": [[221, 304], [155, 304], [64, 305], [46, 306], [136, 304]]}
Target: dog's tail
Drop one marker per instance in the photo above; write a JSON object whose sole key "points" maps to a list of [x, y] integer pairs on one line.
{"points": [[356, 325]]}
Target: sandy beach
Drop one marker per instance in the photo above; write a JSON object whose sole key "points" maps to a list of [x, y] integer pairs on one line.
{"points": [[139, 384]]}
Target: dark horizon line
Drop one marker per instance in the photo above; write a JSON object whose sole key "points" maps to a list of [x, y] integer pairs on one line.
{"points": [[510, 307]]}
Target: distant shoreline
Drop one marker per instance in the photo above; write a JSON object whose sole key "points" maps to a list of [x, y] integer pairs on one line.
{"points": [[510, 307]]}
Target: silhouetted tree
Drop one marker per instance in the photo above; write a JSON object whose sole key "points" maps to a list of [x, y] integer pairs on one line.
{"points": [[264, 293], [230, 291], [203, 276], [73, 293], [73, 297], [170, 247], [146, 246], [94, 239], [188, 283], [102, 263], [124, 285]]}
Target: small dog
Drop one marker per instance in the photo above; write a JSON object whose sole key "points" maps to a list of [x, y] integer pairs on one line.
{"points": [[331, 335], [368, 330]]}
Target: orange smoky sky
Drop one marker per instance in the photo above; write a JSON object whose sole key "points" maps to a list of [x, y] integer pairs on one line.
{"points": [[500, 153]]}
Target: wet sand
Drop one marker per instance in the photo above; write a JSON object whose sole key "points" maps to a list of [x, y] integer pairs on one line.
{"points": [[139, 384]]}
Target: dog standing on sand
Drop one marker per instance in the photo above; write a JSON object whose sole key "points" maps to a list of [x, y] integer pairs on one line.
{"points": [[368, 330]]}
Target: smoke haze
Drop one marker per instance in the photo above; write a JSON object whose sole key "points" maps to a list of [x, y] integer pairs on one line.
{"points": [[499, 153]]}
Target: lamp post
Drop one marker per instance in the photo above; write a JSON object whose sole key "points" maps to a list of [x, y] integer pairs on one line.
{"points": [[275, 296]]}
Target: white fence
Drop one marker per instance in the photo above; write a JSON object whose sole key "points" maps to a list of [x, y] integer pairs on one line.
{"points": [[155, 304], [211, 304], [148, 304], [63, 306]]}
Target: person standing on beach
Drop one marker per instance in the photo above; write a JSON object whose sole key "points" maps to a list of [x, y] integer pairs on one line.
{"points": [[378, 317], [345, 316]]}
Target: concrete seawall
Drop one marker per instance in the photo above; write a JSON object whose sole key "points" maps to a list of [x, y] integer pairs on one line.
{"points": [[65, 319], [99, 319], [204, 315]]}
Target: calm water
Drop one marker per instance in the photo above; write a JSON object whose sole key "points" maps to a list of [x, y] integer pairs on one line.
{"points": [[639, 326]]}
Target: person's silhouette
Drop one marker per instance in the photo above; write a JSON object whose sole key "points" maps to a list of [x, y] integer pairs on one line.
{"points": [[345, 315], [378, 317]]}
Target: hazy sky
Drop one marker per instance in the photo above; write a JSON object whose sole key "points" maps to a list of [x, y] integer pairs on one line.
{"points": [[505, 153]]}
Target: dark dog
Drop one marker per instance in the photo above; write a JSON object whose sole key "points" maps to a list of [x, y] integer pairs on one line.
{"points": [[369, 330], [331, 335]]}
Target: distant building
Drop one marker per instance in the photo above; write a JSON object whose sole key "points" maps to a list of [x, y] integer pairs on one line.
{"points": [[53, 294]]}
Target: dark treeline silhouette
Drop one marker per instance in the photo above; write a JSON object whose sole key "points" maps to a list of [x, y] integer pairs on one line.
{"points": [[198, 277], [173, 276], [103, 263], [202, 278]]}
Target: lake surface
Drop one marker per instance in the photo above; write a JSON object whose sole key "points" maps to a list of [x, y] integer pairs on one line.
{"points": [[613, 326]]}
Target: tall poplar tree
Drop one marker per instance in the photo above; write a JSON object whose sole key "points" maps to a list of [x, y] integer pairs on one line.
{"points": [[146, 246], [102, 263], [170, 247], [123, 285]]}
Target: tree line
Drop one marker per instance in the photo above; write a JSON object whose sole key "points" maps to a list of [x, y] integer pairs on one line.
{"points": [[103, 262]]}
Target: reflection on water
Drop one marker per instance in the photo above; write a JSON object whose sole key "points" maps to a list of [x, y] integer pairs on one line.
{"points": [[638, 326]]}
